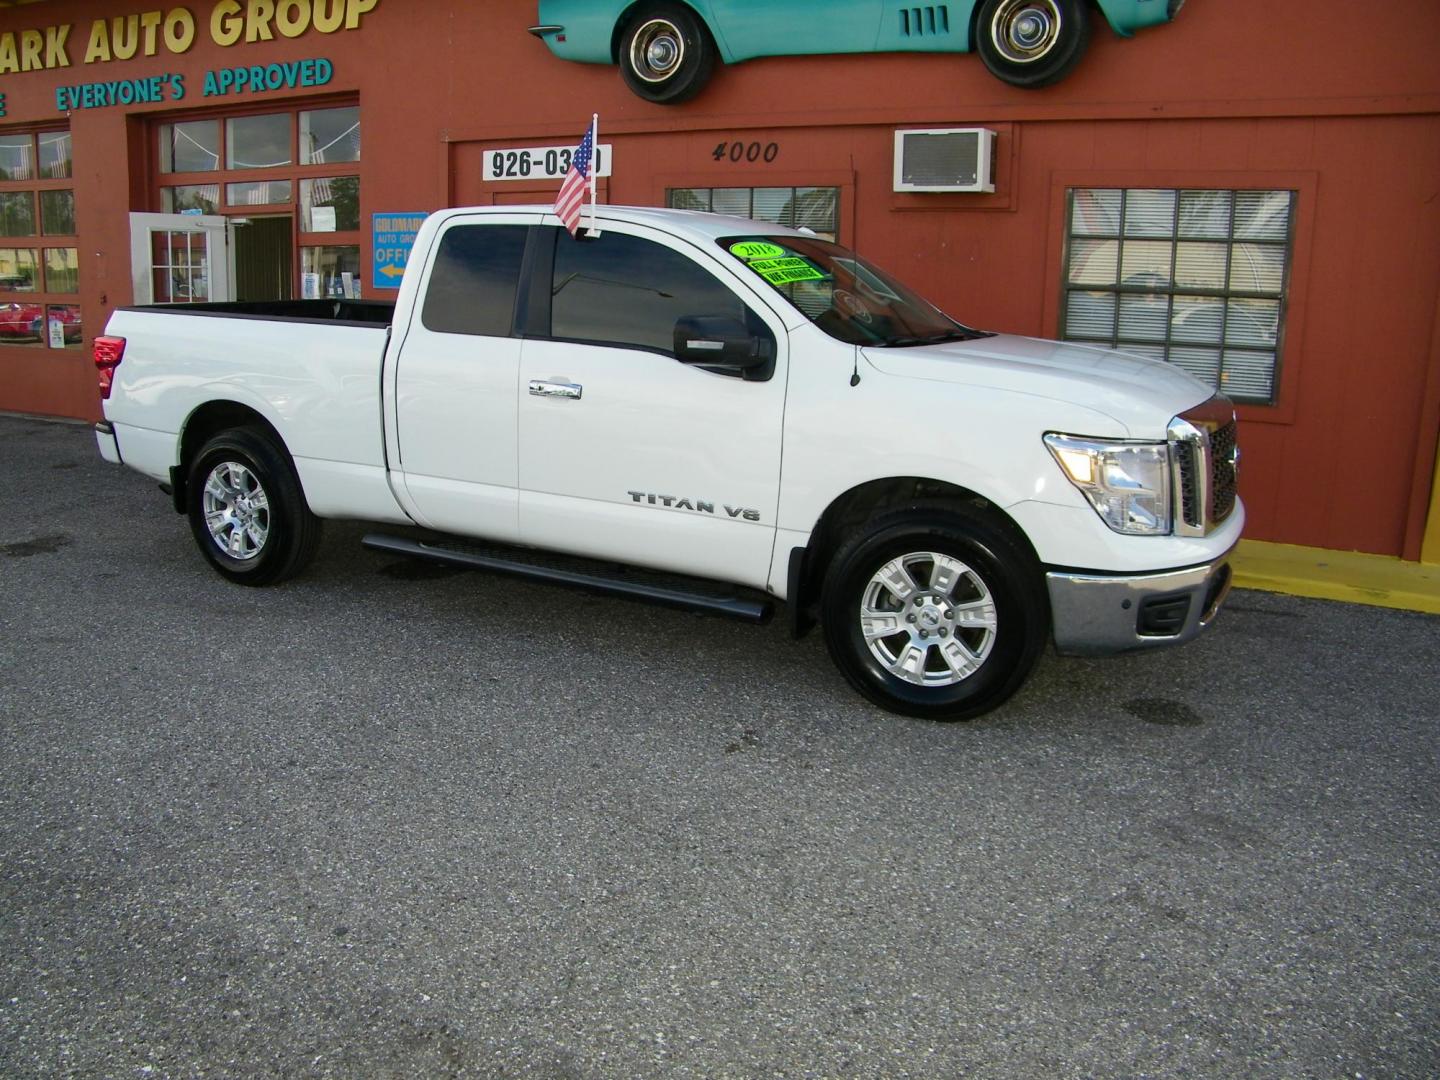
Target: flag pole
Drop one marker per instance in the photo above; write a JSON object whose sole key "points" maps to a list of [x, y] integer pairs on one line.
{"points": [[594, 157]]}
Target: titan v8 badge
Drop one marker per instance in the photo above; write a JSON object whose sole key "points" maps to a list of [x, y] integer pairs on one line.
{"points": [[699, 506]]}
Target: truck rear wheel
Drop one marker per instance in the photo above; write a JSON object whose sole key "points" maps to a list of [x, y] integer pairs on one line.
{"points": [[247, 510], [934, 613]]}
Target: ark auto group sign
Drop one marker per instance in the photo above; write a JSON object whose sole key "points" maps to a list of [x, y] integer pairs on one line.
{"points": [[174, 31]]}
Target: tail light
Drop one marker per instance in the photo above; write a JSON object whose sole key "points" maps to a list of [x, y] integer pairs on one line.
{"points": [[109, 351]]}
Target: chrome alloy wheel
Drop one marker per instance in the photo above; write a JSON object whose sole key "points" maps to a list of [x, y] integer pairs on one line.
{"points": [[1024, 31], [237, 510], [928, 619], [657, 50]]}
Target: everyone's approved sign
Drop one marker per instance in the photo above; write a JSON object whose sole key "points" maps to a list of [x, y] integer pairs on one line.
{"points": [[539, 162]]}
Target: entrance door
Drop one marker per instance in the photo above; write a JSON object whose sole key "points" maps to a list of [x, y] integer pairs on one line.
{"points": [[179, 258], [264, 258]]}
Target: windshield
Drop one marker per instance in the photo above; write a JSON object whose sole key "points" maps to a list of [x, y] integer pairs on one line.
{"points": [[842, 294]]}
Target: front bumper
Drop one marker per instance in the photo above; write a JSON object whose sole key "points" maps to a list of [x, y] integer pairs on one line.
{"points": [[1093, 614]]}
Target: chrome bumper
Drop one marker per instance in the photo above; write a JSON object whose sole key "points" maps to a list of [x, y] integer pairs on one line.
{"points": [[1104, 613]]}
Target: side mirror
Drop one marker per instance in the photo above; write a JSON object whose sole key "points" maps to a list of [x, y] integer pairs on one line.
{"points": [[722, 344]]}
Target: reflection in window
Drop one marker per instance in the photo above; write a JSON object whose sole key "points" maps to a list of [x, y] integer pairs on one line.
{"points": [[329, 135], [190, 147], [813, 208], [17, 213], [1197, 278], [338, 193], [62, 324], [55, 155], [17, 270], [332, 271], [625, 290], [472, 287], [196, 199], [57, 213], [22, 324], [62, 270], [260, 193], [258, 142], [17, 157]]}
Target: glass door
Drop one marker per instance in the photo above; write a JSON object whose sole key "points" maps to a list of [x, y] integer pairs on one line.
{"points": [[180, 258]]}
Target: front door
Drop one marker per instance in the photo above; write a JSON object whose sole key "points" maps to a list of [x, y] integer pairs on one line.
{"points": [[628, 454], [179, 258]]}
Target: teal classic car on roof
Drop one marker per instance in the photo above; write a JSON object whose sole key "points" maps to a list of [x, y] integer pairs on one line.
{"points": [[667, 49]]}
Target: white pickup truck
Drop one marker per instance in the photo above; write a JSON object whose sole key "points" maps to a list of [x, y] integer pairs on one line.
{"points": [[732, 411]]}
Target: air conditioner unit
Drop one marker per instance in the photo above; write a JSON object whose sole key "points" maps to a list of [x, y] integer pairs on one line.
{"points": [[945, 159]]}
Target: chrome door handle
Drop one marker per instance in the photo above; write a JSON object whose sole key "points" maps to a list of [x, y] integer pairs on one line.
{"points": [[540, 388]]}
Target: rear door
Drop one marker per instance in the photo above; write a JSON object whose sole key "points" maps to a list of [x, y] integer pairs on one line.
{"points": [[455, 379], [626, 453]]}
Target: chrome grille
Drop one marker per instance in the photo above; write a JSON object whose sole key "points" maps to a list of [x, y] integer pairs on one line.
{"points": [[1203, 459], [925, 21]]}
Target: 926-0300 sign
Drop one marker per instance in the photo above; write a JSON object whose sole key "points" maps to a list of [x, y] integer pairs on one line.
{"points": [[539, 162]]}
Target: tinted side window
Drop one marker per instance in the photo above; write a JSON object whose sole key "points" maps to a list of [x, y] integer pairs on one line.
{"points": [[472, 288], [625, 290]]}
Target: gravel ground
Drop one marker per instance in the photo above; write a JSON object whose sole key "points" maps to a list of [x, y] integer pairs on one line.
{"points": [[392, 820]]}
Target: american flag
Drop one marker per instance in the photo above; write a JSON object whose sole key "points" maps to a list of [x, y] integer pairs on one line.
{"points": [[577, 182]]}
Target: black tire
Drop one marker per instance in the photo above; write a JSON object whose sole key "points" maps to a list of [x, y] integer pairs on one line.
{"points": [[666, 53], [961, 649], [247, 510], [1032, 43]]}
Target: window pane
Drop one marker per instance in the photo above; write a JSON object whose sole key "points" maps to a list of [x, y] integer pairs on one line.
{"points": [[1200, 266], [1094, 262], [472, 288], [339, 193], [818, 209], [330, 135], [774, 204], [1197, 319], [690, 198], [63, 326], [22, 324], [258, 142], [1205, 215], [1252, 323], [734, 201], [200, 198], [330, 272], [17, 157], [17, 270], [260, 193], [62, 270], [1248, 374], [1145, 264], [1150, 213], [1258, 268], [1090, 315], [191, 147], [629, 291], [17, 213], [1144, 318], [1262, 215], [1095, 212], [55, 155], [1204, 364], [57, 213]]}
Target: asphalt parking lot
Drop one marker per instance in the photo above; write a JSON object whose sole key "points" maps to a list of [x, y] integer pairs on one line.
{"points": [[392, 820]]}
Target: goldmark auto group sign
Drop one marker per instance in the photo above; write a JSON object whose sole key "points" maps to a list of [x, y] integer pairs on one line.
{"points": [[173, 30]]}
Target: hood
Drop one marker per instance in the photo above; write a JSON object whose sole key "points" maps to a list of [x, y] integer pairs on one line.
{"points": [[1142, 395]]}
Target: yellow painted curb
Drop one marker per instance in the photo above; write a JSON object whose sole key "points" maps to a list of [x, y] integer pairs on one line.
{"points": [[1337, 575]]}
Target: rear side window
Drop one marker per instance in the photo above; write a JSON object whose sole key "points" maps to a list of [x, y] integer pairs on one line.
{"points": [[628, 291], [472, 286]]}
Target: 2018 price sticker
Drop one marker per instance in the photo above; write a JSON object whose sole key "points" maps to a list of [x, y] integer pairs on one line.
{"points": [[539, 162]]}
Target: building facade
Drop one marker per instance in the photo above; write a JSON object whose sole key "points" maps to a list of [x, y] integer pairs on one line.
{"points": [[1248, 191]]}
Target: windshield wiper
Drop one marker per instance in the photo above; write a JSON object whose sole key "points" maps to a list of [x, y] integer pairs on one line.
{"points": [[934, 339]]}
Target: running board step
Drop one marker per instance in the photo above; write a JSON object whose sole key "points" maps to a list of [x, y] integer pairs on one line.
{"points": [[613, 580]]}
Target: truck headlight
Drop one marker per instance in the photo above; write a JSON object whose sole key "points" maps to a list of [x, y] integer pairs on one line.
{"points": [[1127, 483]]}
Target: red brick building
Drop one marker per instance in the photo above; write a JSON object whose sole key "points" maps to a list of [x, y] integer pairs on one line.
{"points": [[1251, 191]]}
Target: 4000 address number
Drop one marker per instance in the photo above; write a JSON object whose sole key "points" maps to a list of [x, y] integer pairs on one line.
{"points": [[539, 162]]}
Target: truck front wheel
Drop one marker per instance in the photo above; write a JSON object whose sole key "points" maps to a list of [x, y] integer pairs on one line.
{"points": [[938, 614], [247, 510]]}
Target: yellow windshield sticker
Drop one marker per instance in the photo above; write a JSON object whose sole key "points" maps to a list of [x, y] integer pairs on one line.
{"points": [[784, 271], [757, 249]]}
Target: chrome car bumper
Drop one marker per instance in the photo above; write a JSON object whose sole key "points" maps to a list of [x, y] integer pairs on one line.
{"points": [[1094, 614]]}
